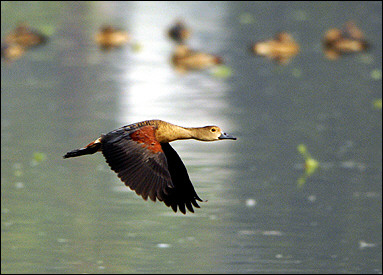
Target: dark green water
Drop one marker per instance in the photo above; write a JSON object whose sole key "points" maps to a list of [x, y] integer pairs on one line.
{"points": [[75, 216]]}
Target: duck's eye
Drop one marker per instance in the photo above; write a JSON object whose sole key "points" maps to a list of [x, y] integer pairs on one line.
{"points": [[213, 129]]}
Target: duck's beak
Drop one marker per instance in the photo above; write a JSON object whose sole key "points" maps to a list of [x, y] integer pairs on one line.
{"points": [[226, 136]]}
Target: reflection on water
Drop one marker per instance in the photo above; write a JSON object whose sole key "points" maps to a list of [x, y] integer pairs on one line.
{"points": [[163, 96], [61, 216]]}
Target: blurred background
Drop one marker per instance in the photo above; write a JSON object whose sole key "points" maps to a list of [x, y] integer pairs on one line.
{"points": [[299, 191]]}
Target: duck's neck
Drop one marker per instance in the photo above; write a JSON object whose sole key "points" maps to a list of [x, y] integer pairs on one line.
{"points": [[167, 132]]}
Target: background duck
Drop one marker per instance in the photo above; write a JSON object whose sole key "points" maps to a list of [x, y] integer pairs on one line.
{"points": [[25, 36], [281, 49], [348, 40], [185, 59], [110, 37], [143, 159], [11, 52]]}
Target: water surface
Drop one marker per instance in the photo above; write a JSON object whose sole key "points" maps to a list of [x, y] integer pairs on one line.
{"points": [[75, 216]]}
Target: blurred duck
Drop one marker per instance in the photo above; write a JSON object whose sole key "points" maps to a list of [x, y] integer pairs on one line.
{"points": [[143, 159], [185, 59], [281, 49], [349, 40], [25, 37], [11, 52], [110, 37], [179, 33]]}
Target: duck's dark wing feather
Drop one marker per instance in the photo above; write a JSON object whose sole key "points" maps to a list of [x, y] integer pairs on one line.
{"points": [[136, 164], [183, 193], [149, 168]]}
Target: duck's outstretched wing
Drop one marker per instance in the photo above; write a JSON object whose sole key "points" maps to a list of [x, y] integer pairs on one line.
{"points": [[138, 160], [183, 193], [149, 168]]}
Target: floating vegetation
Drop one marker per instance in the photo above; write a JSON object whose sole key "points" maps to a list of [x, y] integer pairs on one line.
{"points": [[296, 72], [376, 74], [366, 58], [311, 165], [17, 169], [300, 15], [48, 30], [222, 71], [246, 18], [377, 103], [37, 158], [136, 47]]}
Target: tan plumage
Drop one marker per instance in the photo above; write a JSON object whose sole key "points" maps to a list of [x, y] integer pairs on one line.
{"points": [[12, 52], [110, 37], [281, 49], [143, 159], [185, 59], [350, 39], [25, 37]]}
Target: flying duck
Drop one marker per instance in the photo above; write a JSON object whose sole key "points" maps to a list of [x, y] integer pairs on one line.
{"points": [[143, 159]]}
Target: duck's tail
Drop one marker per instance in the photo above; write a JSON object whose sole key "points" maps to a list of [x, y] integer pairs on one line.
{"points": [[91, 148], [218, 60]]}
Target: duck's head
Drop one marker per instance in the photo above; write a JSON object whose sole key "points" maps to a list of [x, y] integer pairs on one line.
{"points": [[212, 133], [332, 35]]}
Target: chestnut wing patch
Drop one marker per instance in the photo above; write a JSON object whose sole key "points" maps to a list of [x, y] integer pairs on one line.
{"points": [[145, 136], [138, 159]]}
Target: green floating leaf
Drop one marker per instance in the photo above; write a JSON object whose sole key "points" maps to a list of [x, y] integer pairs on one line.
{"points": [[303, 150], [39, 157], [366, 58], [222, 71], [377, 104], [297, 73], [246, 18], [300, 15], [302, 180], [17, 169], [376, 74], [311, 164], [48, 30], [17, 173], [136, 47]]}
